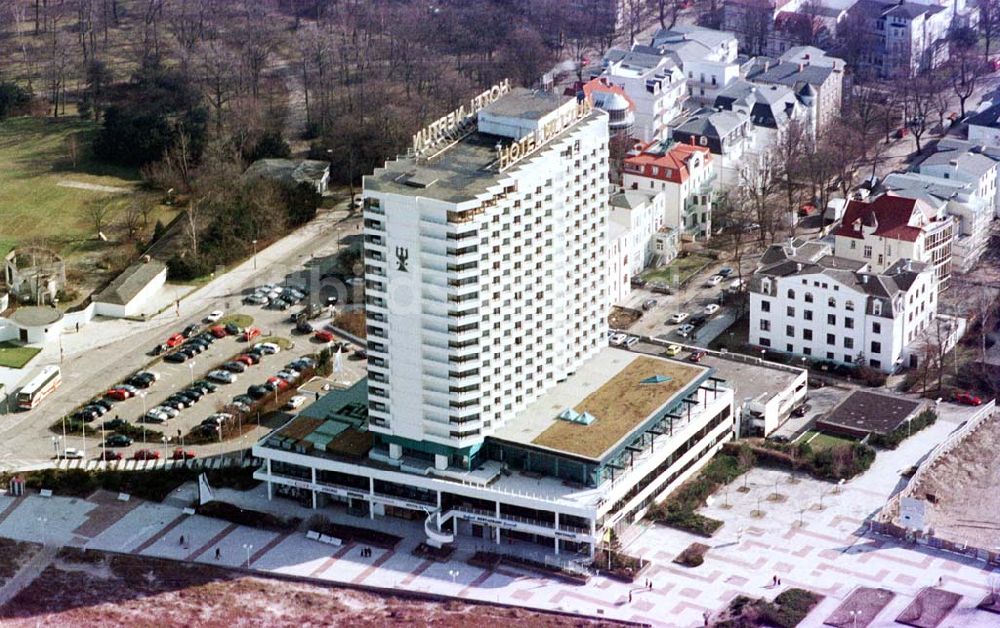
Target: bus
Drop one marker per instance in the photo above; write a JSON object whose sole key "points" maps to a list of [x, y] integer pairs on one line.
{"points": [[39, 388]]}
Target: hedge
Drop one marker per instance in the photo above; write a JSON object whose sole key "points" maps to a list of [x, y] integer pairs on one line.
{"points": [[833, 463], [892, 439]]}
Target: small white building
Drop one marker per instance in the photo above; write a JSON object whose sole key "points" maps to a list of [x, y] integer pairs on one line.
{"points": [[807, 302], [706, 56], [131, 293], [34, 325]]}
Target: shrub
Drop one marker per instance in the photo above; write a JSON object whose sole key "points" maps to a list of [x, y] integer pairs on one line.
{"points": [[892, 439], [788, 610], [693, 555], [246, 517], [679, 509]]}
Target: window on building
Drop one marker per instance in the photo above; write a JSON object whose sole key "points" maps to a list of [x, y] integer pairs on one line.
{"points": [[790, 294], [877, 364], [809, 297], [807, 351], [877, 328], [848, 343], [831, 302], [807, 334], [867, 252], [849, 323], [876, 347], [854, 244], [765, 325], [790, 330], [831, 319], [849, 359], [765, 306], [808, 315], [764, 342], [831, 339], [789, 348], [790, 311], [849, 306]]}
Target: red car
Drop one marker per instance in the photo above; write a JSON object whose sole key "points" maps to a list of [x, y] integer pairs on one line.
{"points": [[182, 454], [696, 356], [109, 455], [247, 358], [968, 399], [280, 383], [175, 340], [249, 334], [218, 331], [323, 335], [118, 394], [146, 454]]}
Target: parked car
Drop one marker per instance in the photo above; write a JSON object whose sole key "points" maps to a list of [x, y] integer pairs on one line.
{"points": [[170, 412], [267, 348], [257, 392], [235, 367], [205, 386], [177, 357], [648, 304], [226, 377], [109, 456], [696, 356], [711, 308], [724, 272], [153, 417], [249, 359], [801, 410], [618, 339], [174, 340], [673, 350], [255, 299], [86, 415], [98, 409], [360, 353], [323, 335], [182, 454], [146, 454], [698, 320], [714, 280], [232, 329], [278, 383], [72, 453], [296, 402], [214, 316], [288, 376], [630, 342], [967, 399], [249, 334], [114, 424], [218, 331], [103, 403], [217, 419], [304, 327], [678, 317], [301, 364], [117, 440], [190, 330], [118, 393], [685, 330]]}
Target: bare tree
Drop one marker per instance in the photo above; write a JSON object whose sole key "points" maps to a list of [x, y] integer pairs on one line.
{"points": [[667, 11], [759, 184], [98, 211], [989, 23], [756, 22], [131, 221], [73, 148], [919, 99], [966, 69]]}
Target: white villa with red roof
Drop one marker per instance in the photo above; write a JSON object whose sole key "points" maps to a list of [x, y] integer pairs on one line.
{"points": [[684, 173], [889, 228]]}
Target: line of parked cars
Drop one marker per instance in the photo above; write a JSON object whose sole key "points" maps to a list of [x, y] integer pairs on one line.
{"points": [[192, 346], [276, 297], [622, 340]]}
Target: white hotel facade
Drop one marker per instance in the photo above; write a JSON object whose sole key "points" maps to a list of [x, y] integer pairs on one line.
{"points": [[485, 410]]}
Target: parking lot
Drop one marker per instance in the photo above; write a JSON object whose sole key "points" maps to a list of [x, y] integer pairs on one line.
{"points": [[175, 377], [692, 299]]}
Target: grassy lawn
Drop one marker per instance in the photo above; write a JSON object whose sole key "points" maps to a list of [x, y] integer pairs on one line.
{"points": [[679, 270], [34, 159], [15, 357], [240, 320], [821, 440]]}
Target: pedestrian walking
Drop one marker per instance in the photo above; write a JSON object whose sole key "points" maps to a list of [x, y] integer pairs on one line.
{"points": [[940, 580], [779, 582], [629, 597], [706, 616], [218, 553], [774, 581], [181, 542]]}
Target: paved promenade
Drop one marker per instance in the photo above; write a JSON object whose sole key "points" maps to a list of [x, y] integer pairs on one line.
{"points": [[813, 535]]}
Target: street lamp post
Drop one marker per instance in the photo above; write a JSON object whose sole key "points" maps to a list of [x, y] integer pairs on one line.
{"points": [[454, 574], [854, 617], [191, 368], [254, 254], [248, 547], [165, 439]]}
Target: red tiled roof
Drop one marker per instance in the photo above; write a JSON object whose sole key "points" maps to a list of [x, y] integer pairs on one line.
{"points": [[891, 214], [674, 161]]}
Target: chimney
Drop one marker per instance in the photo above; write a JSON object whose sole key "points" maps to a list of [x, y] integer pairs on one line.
{"points": [[798, 267], [801, 66], [864, 278]]}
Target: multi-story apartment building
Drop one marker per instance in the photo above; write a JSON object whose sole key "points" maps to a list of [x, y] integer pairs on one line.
{"points": [[901, 38], [806, 301], [889, 228], [770, 108], [960, 180], [728, 135], [706, 57], [653, 84], [613, 100], [493, 406], [686, 177], [640, 234], [798, 68]]}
